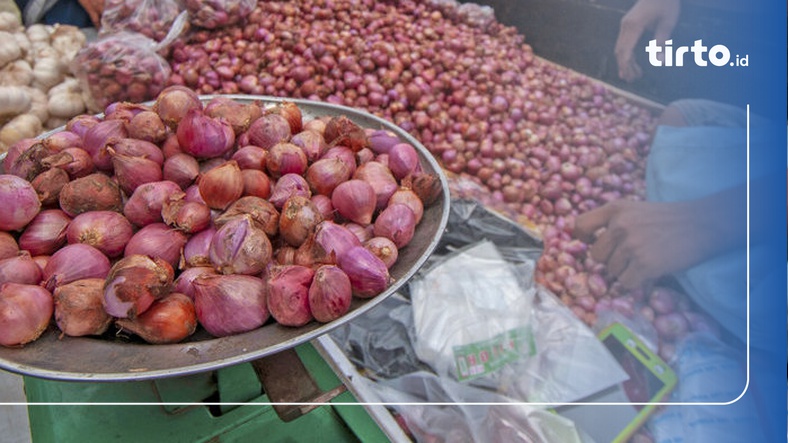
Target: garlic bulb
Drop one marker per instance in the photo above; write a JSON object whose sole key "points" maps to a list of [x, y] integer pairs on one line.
{"points": [[9, 22], [21, 126], [13, 101], [65, 105], [9, 48], [48, 72], [39, 105], [38, 33], [68, 85], [67, 40], [16, 73]]}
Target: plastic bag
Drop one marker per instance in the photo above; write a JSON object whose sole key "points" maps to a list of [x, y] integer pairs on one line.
{"points": [[120, 67], [570, 362], [462, 422], [125, 66], [212, 14], [471, 314], [147, 17]]}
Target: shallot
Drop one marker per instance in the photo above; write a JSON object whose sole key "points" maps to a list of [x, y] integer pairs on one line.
{"points": [[25, 312], [230, 304], [79, 308]]}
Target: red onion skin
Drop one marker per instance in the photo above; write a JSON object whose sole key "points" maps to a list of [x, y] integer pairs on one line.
{"points": [[262, 212], [181, 169], [134, 282], [250, 157], [188, 217], [410, 199], [362, 233], [96, 192], [345, 154], [174, 102], [324, 205], [183, 283], [288, 294], [196, 250], [311, 142], [98, 137], [146, 202], [49, 184], [204, 137], [222, 185], [381, 141], [21, 269], [287, 186], [25, 312], [75, 161], [62, 140], [380, 178], [269, 130], [403, 160], [256, 183], [330, 294], [335, 239], [298, 219], [285, 158], [384, 249], [74, 262], [19, 195], [79, 308], [230, 304], [107, 231], [397, 223], [355, 200], [45, 233], [326, 174], [170, 319], [147, 126], [240, 247], [132, 172], [8, 246], [138, 148], [368, 274], [157, 240]]}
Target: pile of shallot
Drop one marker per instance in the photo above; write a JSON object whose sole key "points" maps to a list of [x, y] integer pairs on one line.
{"points": [[220, 214], [531, 139]]}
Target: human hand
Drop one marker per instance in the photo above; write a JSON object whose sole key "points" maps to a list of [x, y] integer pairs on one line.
{"points": [[659, 16], [638, 242], [94, 8]]}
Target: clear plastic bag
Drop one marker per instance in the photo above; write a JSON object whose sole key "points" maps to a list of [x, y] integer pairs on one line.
{"points": [[463, 422], [125, 66], [120, 67], [212, 14], [147, 17], [570, 363]]}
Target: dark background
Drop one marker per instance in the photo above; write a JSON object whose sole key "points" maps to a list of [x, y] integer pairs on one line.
{"points": [[581, 35]]}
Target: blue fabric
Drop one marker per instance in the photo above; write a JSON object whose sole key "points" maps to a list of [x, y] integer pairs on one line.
{"points": [[687, 163], [67, 12]]}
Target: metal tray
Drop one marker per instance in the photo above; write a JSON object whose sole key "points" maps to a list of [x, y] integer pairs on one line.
{"points": [[98, 359]]}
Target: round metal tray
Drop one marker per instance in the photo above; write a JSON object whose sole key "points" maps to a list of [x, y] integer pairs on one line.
{"points": [[100, 359]]}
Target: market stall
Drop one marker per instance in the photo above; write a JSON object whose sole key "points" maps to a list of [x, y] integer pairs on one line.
{"points": [[222, 204]]}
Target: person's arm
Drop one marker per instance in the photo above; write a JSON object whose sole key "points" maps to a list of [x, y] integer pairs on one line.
{"points": [[639, 242], [659, 16]]}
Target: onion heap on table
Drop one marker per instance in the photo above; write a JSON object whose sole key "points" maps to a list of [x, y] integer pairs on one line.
{"points": [[528, 138], [158, 251]]}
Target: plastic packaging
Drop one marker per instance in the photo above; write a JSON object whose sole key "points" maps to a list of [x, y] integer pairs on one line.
{"points": [[120, 67], [504, 423], [148, 17], [212, 14], [569, 362], [471, 314], [125, 66]]}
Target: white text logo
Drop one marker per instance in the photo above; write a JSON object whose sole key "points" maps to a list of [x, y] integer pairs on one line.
{"points": [[717, 55]]}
